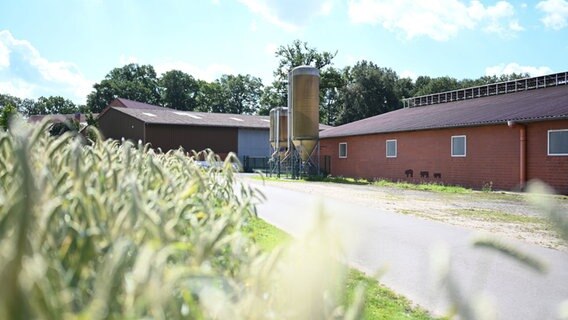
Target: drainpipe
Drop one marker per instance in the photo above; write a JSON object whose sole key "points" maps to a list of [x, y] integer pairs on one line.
{"points": [[522, 152], [523, 155]]}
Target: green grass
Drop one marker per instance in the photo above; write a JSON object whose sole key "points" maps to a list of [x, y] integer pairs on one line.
{"points": [[497, 216], [380, 302], [434, 187], [265, 235]]}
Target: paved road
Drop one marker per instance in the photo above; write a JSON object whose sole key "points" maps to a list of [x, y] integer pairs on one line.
{"points": [[403, 244]]}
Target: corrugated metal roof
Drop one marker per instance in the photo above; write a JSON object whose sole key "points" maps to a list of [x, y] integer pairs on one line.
{"points": [[149, 113], [540, 104], [125, 103], [176, 117]]}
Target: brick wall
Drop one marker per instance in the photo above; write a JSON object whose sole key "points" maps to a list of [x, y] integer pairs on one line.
{"points": [[550, 169], [492, 156]]}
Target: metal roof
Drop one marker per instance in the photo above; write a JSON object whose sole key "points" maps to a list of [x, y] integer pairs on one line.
{"points": [[177, 117], [534, 105], [149, 113], [125, 103]]}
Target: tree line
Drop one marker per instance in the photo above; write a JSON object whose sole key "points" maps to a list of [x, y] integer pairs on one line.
{"points": [[347, 94]]}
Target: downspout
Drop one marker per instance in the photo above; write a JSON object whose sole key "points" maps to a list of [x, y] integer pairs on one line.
{"points": [[144, 133], [523, 156], [522, 152]]}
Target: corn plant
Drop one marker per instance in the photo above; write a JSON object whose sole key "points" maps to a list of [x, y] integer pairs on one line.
{"points": [[115, 230]]}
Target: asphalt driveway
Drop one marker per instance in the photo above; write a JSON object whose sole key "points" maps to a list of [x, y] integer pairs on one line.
{"points": [[376, 238]]}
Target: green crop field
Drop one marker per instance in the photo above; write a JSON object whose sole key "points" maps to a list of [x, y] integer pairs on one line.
{"points": [[102, 230]]}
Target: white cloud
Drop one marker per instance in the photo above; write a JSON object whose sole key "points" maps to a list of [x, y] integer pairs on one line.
{"points": [[41, 76], [290, 15], [207, 73], [17, 88], [556, 13], [4, 56], [439, 20], [516, 68]]}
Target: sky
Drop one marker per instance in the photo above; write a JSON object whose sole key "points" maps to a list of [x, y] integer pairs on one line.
{"points": [[63, 47]]}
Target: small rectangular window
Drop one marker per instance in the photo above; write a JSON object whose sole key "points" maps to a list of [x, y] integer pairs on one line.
{"points": [[391, 148], [558, 142], [459, 146], [343, 150]]}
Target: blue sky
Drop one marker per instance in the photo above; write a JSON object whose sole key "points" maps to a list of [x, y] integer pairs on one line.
{"points": [[63, 47]]}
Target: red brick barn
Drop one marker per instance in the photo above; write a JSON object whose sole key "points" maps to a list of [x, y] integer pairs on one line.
{"points": [[500, 135]]}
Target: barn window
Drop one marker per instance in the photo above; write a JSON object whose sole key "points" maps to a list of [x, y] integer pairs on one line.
{"points": [[343, 150], [391, 148], [458, 146], [558, 142]]}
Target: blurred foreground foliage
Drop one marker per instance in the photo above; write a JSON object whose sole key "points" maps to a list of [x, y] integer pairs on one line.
{"points": [[103, 230]]}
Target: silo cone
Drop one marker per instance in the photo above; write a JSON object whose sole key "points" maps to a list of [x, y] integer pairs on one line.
{"points": [[305, 110]]}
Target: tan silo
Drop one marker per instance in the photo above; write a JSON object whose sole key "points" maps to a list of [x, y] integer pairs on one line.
{"points": [[305, 109], [279, 129], [272, 132]]}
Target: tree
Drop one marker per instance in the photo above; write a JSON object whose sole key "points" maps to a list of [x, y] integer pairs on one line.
{"points": [[369, 91], [436, 85], [6, 99], [51, 105], [296, 54], [179, 90], [8, 111], [240, 93], [210, 97], [331, 83], [133, 81], [270, 98]]}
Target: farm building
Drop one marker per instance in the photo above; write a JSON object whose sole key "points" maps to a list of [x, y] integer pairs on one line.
{"points": [[500, 136], [246, 135], [169, 129]]}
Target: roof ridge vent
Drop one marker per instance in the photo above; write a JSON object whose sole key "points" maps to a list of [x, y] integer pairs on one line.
{"points": [[539, 82]]}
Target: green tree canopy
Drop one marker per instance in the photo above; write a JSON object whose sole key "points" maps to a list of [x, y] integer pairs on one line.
{"points": [[6, 114], [210, 97], [332, 81], [179, 90], [370, 90], [296, 54], [241, 93], [51, 105], [133, 81]]}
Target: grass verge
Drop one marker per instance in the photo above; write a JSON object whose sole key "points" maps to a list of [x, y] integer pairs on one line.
{"points": [[497, 216], [380, 302], [434, 187]]}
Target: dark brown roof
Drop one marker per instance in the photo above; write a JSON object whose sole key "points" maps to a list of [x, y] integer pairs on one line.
{"points": [[149, 113], [125, 103], [532, 105], [176, 117]]}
